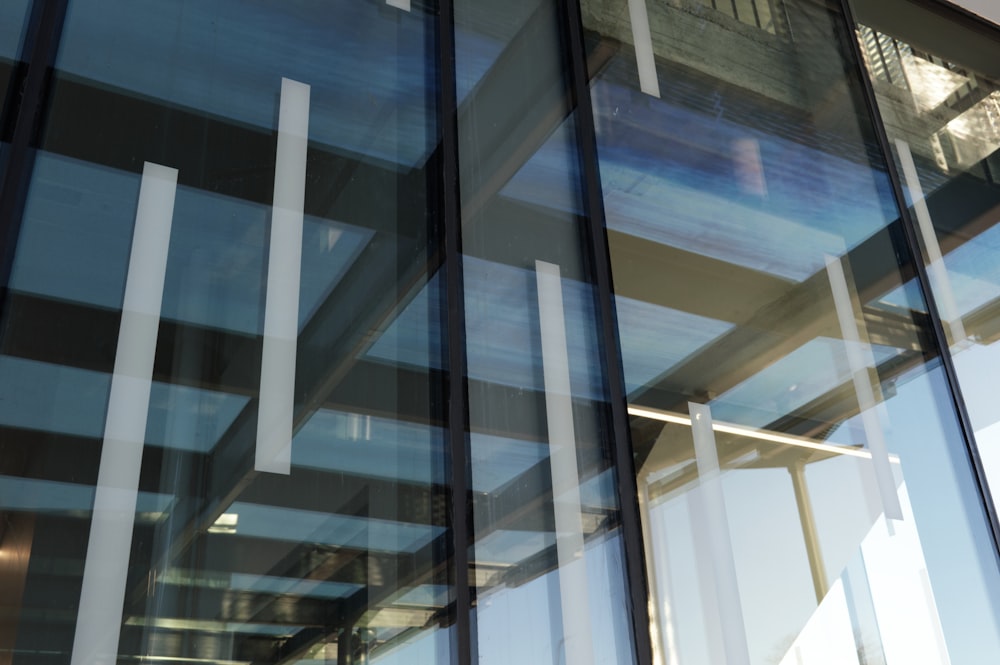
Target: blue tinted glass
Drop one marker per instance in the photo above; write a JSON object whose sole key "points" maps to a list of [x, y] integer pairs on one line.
{"points": [[804, 486], [942, 89], [220, 418], [13, 23], [546, 546]]}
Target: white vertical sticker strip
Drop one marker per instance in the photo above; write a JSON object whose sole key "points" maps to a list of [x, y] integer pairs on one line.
{"points": [[937, 272], [716, 526], [105, 569], [284, 265], [563, 464], [645, 58], [859, 360]]}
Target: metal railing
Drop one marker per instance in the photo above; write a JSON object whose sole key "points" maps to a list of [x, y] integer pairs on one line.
{"points": [[768, 15], [886, 59]]}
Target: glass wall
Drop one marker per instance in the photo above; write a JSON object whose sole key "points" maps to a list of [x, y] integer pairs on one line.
{"points": [[257, 405], [937, 83], [546, 555], [804, 486], [13, 16], [220, 440]]}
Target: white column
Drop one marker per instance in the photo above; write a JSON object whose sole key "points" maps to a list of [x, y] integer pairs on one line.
{"points": [[566, 503], [105, 570], [284, 266], [662, 630]]}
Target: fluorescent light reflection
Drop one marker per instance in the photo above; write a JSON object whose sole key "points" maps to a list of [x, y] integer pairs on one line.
{"points": [[566, 502], [284, 267], [212, 626], [292, 586], [105, 569], [399, 617], [226, 523], [749, 432], [399, 4], [183, 659]]}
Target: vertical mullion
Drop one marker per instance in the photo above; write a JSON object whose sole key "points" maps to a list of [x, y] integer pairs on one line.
{"points": [[635, 570], [456, 381], [923, 280], [40, 45]]}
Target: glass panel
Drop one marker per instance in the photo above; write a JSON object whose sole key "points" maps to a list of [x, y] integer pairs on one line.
{"points": [[547, 571], [941, 109], [13, 17], [215, 444], [805, 491]]}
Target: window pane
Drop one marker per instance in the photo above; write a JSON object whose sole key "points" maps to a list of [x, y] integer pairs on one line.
{"points": [[940, 111], [549, 584], [804, 486], [220, 414], [13, 15]]}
